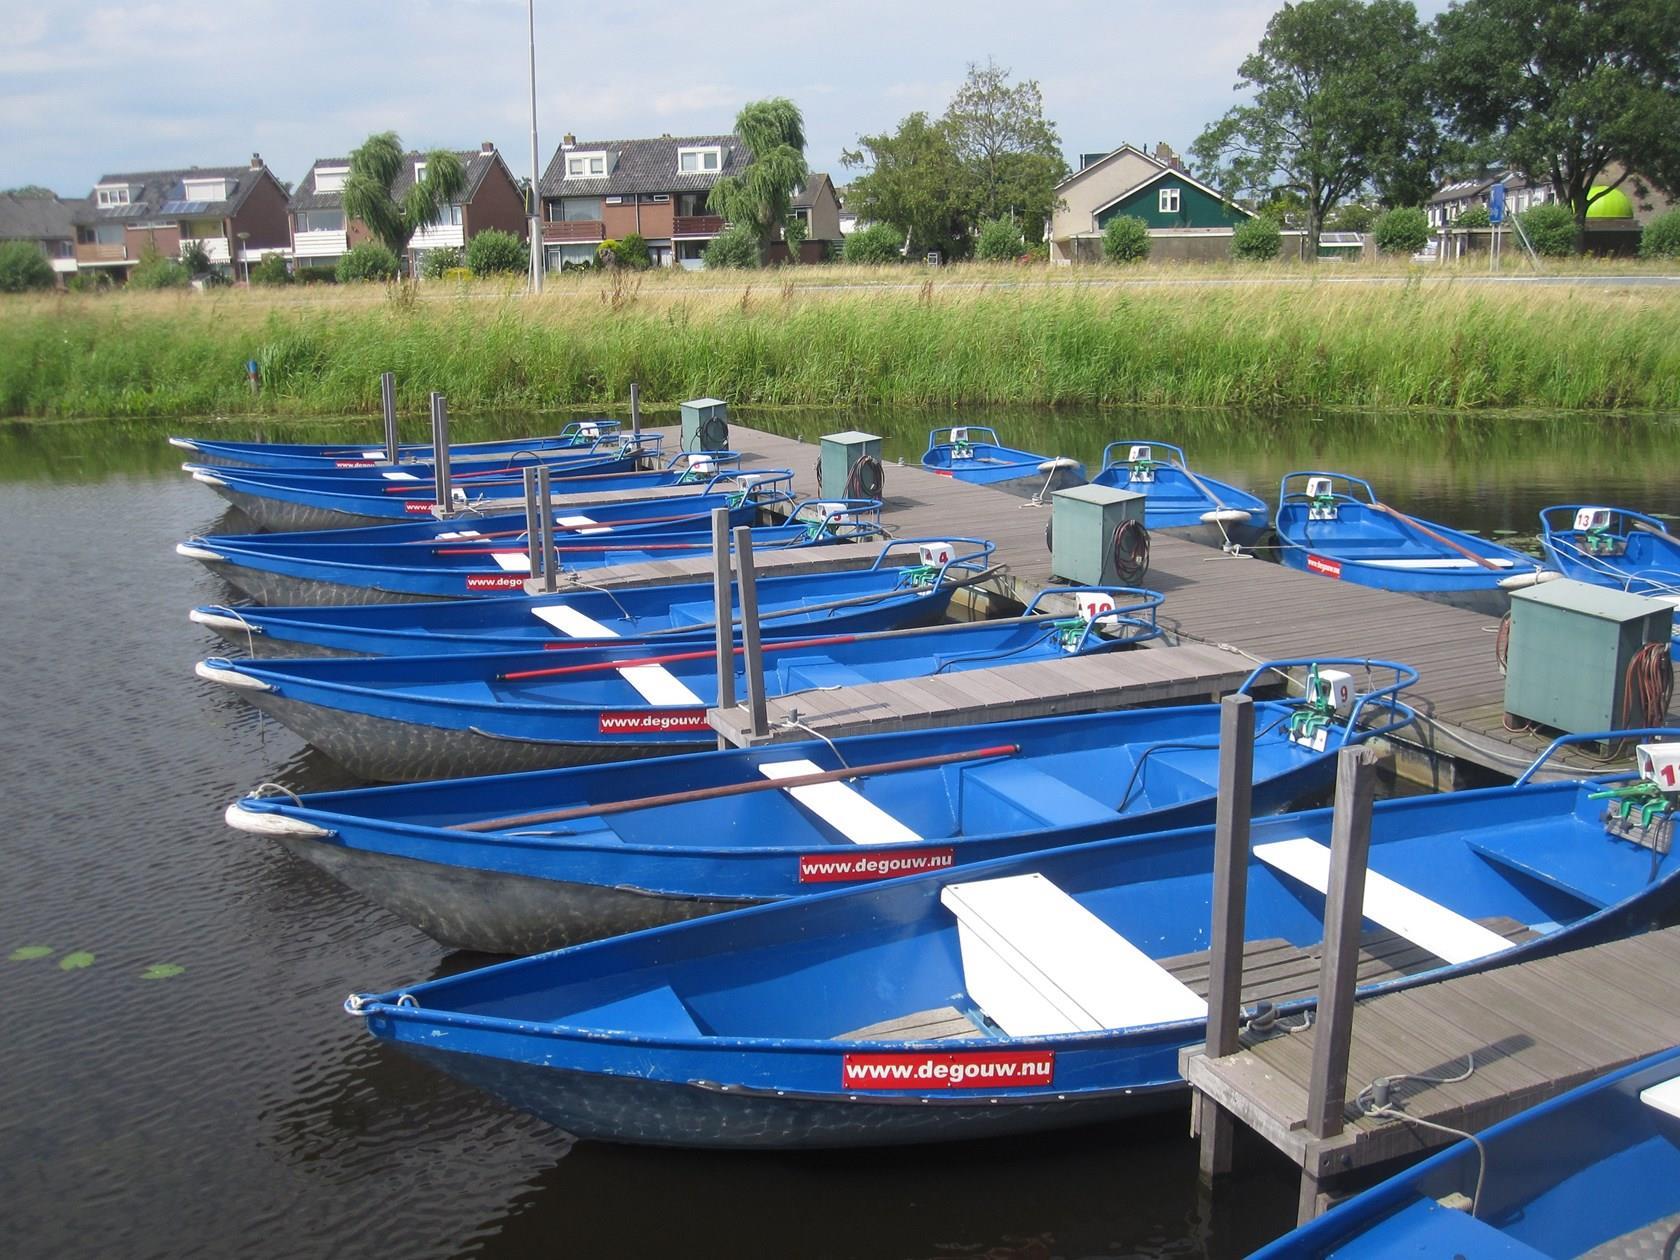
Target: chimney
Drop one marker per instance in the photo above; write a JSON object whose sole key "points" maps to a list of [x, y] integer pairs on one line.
{"points": [[489, 146], [568, 141], [256, 162]]}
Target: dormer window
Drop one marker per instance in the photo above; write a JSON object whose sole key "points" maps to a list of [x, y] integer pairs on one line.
{"points": [[329, 179], [204, 189], [586, 165], [419, 171], [700, 160], [1168, 201], [114, 196]]}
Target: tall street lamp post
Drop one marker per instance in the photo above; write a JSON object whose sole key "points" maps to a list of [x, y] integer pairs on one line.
{"points": [[536, 202]]}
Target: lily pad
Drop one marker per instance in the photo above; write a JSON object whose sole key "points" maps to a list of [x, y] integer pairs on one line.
{"points": [[161, 971], [76, 961], [27, 953]]}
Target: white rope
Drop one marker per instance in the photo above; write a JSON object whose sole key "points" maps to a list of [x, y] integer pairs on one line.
{"points": [[1389, 1111]]}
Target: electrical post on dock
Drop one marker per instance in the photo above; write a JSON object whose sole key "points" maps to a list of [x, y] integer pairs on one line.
{"points": [[440, 454], [723, 623], [388, 408], [545, 530], [752, 648]]}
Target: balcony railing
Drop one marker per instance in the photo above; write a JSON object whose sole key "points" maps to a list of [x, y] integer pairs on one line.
{"points": [[696, 225], [575, 230], [322, 244], [89, 252]]}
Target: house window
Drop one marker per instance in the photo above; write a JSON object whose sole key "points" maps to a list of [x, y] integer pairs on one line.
{"points": [[447, 216], [586, 165], [109, 234], [699, 161], [205, 189], [113, 196], [419, 171], [579, 209], [659, 198], [330, 178], [320, 221], [1167, 200]]}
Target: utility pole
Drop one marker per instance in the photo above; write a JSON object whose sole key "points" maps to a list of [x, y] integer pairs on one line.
{"points": [[536, 174]]}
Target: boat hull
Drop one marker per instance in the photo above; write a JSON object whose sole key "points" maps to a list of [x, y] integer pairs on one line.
{"points": [[282, 590], [1457, 590]]}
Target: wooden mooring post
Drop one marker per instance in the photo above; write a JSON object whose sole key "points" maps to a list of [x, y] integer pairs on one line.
{"points": [[751, 644], [545, 530], [533, 524], [388, 408], [723, 620], [441, 489], [635, 411]]}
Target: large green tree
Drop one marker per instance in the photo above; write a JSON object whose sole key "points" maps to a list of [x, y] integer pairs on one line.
{"points": [[774, 134], [914, 183], [374, 168], [1340, 100], [1565, 88], [1009, 150]]}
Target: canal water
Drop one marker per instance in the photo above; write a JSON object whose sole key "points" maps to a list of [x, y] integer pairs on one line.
{"points": [[177, 1077]]}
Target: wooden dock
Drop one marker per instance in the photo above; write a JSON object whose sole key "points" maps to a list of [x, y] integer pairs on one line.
{"points": [[1531, 1031], [1258, 609]]}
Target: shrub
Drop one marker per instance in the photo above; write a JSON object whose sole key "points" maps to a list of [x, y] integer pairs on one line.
{"points": [[316, 275], [154, 271], [368, 261], [495, 252], [999, 240], [1403, 230], [1258, 240], [1550, 229], [1039, 253], [735, 247], [630, 252], [90, 281], [271, 270], [1352, 217], [1474, 217], [195, 258], [1126, 239], [877, 243], [1661, 237], [794, 232], [23, 267], [434, 263]]}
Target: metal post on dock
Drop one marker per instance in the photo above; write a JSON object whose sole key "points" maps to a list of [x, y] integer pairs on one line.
{"points": [[635, 411], [1344, 902], [752, 648], [545, 529], [533, 523], [1229, 921], [723, 622], [388, 407], [440, 455]]}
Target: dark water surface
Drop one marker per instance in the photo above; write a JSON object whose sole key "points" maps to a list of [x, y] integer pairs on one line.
{"points": [[232, 1109]]}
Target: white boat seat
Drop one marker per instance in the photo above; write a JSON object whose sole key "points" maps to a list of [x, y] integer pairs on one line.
{"points": [[571, 623], [1664, 1096], [399, 476], [1420, 562], [656, 684], [573, 524], [841, 806], [1038, 963], [1428, 924], [512, 561]]}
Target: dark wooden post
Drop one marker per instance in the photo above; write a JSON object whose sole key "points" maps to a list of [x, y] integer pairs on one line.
{"points": [[440, 455], [388, 407], [635, 411], [533, 524], [545, 503], [751, 647], [1350, 851], [723, 617], [1230, 898]]}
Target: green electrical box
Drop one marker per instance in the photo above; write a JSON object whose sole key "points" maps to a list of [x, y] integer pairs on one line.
{"points": [[1570, 647], [705, 425], [1082, 524], [839, 458]]}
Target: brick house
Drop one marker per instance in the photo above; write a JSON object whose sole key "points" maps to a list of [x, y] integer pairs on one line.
{"points": [[1186, 218], [607, 189], [237, 213], [47, 223], [490, 198]]}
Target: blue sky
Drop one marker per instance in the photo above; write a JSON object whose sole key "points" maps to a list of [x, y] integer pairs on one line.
{"points": [[88, 88]]}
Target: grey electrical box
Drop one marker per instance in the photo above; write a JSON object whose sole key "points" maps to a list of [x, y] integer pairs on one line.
{"points": [[1082, 524], [705, 425], [1569, 651], [838, 458]]}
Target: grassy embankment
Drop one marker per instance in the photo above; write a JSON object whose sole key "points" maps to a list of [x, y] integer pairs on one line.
{"points": [[1181, 337]]}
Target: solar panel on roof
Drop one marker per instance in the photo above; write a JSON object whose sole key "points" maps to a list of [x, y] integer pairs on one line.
{"points": [[183, 207]]}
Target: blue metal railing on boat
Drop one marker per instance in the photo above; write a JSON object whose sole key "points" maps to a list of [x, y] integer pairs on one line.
{"points": [[1387, 697], [1597, 737]]}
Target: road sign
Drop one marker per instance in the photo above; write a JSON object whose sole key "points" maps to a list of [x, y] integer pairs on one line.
{"points": [[1496, 203]]}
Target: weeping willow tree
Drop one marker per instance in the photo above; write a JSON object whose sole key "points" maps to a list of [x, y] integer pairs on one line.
{"points": [[374, 168], [774, 134]]}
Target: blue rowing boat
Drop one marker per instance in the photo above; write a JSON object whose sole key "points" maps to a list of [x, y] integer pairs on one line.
{"points": [[881, 596], [280, 500], [1615, 547], [277, 569], [515, 864], [1178, 499], [1025, 993], [1593, 1172], [1334, 525], [578, 436], [972, 452], [425, 717]]}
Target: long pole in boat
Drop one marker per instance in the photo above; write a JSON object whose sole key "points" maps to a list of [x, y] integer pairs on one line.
{"points": [[723, 621], [440, 456], [533, 524], [388, 406], [545, 529], [754, 648]]}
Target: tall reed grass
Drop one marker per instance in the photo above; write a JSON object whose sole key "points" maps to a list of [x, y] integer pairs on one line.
{"points": [[1248, 342]]}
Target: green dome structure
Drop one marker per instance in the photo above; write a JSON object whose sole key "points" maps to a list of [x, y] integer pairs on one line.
{"points": [[1613, 205]]}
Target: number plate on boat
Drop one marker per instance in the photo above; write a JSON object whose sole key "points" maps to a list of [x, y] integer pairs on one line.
{"points": [[840, 867], [1005, 1069], [1329, 568], [654, 720]]}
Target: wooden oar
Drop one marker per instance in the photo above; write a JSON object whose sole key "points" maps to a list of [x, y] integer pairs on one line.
{"points": [[732, 789], [669, 658], [520, 533], [582, 475], [1423, 529]]}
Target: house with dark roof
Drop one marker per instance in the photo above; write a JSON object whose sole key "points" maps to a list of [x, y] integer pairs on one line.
{"points": [[46, 222], [237, 213], [490, 198], [606, 189], [1186, 218], [816, 202]]}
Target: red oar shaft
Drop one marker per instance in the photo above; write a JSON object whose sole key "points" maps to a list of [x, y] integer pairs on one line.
{"points": [[833, 640]]}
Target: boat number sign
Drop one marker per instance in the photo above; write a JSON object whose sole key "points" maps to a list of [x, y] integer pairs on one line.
{"points": [[836, 868], [652, 721], [1329, 568], [1005, 1069]]}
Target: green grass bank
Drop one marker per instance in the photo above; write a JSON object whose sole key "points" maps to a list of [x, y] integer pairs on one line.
{"points": [[1440, 344]]}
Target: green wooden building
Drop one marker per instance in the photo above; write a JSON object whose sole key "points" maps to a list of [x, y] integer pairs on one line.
{"points": [[1172, 199]]}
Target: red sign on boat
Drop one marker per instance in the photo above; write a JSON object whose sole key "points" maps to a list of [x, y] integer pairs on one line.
{"points": [[495, 581], [653, 720], [416, 506], [1006, 1069], [834, 868], [1329, 568]]}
